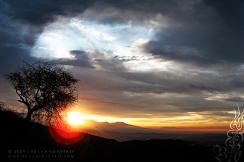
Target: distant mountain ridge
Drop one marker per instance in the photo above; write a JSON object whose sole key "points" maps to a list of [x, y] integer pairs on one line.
{"points": [[116, 127]]}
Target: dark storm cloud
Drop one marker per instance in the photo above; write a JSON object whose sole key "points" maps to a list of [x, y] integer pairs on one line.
{"points": [[80, 59], [111, 64], [16, 41], [211, 35], [116, 12], [155, 83], [40, 12], [163, 82], [236, 99]]}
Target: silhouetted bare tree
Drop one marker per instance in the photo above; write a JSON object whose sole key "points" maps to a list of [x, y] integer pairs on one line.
{"points": [[43, 88], [2, 105]]}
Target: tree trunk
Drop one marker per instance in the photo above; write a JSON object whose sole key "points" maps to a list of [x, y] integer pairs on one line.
{"points": [[28, 116]]}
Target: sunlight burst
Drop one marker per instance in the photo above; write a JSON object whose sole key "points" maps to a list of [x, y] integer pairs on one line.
{"points": [[75, 118]]}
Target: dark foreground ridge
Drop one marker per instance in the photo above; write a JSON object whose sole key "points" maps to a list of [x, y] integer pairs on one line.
{"points": [[35, 144]]}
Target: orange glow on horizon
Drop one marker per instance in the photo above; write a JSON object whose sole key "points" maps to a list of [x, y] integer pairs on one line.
{"points": [[191, 122]]}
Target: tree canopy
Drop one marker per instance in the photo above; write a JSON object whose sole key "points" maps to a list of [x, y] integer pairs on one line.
{"points": [[43, 87], [1, 105]]}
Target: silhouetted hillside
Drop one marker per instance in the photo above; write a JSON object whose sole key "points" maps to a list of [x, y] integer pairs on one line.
{"points": [[16, 135], [19, 139]]}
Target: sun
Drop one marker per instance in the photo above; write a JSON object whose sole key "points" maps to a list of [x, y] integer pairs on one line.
{"points": [[75, 118]]}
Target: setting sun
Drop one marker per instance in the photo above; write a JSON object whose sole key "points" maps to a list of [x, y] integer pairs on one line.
{"points": [[75, 118]]}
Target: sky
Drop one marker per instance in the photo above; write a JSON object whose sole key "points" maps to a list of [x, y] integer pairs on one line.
{"points": [[157, 63]]}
